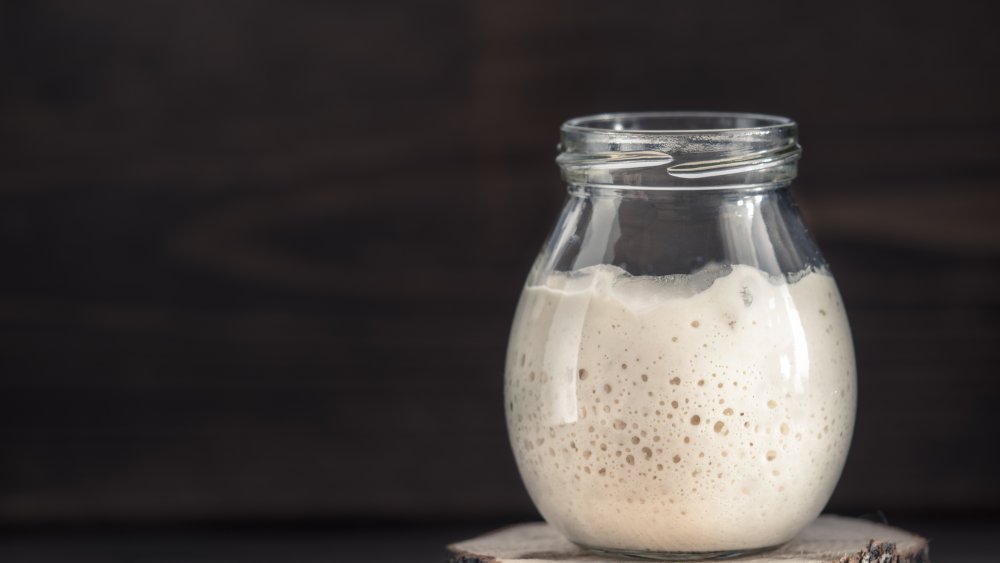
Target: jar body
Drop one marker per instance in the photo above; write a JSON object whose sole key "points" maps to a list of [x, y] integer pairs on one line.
{"points": [[680, 376]]}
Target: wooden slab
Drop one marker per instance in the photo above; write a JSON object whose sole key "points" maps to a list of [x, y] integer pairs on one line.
{"points": [[830, 539]]}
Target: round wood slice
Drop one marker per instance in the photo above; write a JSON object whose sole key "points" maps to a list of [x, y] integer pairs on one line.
{"points": [[832, 539]]}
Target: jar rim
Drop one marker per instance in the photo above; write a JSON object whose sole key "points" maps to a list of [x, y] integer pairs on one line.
{"points": [[678, 150], [659, 122]]}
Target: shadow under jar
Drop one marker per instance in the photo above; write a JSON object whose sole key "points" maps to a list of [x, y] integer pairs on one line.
{"points": [[680, 377]]}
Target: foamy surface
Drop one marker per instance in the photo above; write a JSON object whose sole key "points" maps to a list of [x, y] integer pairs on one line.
{"points": [[683, 413]]}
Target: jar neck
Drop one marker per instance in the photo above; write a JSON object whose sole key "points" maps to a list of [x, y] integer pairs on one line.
{"points": [[676, 196], [658, 232], [679, 151]]}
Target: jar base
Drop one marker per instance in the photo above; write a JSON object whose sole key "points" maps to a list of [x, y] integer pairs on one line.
{"points": [[677, 555]]}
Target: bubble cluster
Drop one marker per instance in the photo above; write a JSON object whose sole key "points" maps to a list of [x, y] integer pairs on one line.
{"points": [[647, 416]]}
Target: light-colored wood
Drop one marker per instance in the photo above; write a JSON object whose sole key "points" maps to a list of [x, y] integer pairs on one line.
{"points": [[830, 539]]}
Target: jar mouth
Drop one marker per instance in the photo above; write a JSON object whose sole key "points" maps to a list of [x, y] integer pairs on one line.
{"points": [[676, 122], [679, 150]]}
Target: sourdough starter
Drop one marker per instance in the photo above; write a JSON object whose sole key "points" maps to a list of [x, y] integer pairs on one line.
{"points": [[682, 413]]}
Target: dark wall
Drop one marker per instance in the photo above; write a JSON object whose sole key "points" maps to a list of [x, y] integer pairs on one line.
{"points": [[260, 258]]}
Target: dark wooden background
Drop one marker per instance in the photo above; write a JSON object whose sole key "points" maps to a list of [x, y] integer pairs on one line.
{"points": [[259, 258]]}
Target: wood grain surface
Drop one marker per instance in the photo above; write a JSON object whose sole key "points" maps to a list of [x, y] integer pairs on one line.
{"points": [[829, 539], [260, 258]]}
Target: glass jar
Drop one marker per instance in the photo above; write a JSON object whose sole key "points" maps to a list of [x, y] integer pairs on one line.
{"points": [[680, 376]]}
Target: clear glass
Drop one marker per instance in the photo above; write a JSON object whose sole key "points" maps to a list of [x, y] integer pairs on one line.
{"points": [[680, 377]]}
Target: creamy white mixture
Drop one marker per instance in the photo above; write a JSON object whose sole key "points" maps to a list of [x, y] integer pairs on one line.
{"points": [[684, 413]]}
